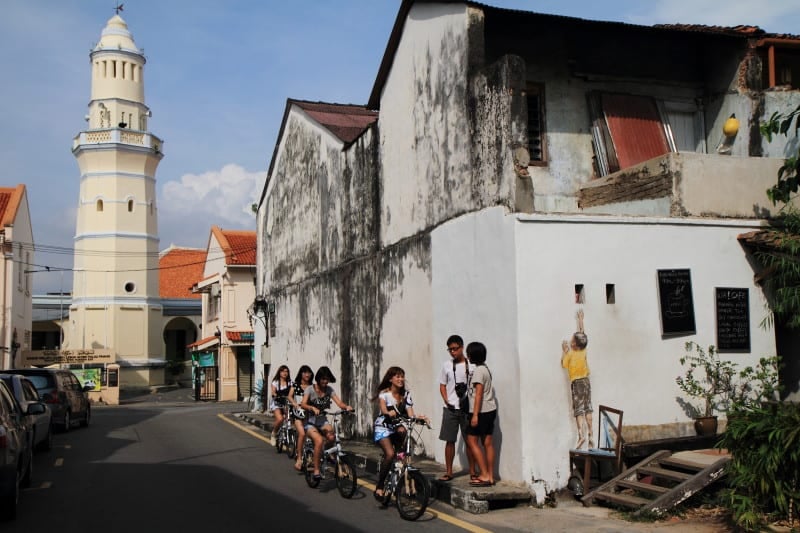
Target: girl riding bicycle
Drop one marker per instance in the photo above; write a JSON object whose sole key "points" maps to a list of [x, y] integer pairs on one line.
{"points": [[393, 399], [316, 400], [303, 380], [281, 387]]}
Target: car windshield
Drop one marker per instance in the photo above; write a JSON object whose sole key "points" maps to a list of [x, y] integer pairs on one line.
{"points": [[43, 384]]}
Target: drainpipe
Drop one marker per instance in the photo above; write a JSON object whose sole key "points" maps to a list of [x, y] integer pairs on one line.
{"points": [[3, 314]]}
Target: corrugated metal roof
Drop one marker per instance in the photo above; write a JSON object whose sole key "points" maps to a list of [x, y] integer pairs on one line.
{"points": [[635, 127], [346, 121]]}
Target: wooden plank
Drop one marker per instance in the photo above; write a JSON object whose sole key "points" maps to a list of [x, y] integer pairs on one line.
{"points": [[664, 473], [622, 499], [686, 489], [676, 462], [633, 452], [608, 485], [642, 487]]}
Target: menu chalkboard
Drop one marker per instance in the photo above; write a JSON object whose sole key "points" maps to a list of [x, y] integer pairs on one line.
{"points": [[675, 298], [733, 319]]}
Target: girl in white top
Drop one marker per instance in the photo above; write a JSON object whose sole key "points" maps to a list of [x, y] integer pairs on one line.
{"points": [[393, 399], [281, 389]]}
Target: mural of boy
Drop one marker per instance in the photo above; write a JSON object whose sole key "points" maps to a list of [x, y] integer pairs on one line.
{"points": [[573, 358]]}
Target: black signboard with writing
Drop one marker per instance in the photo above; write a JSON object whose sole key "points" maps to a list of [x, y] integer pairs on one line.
{"points": [[733, 319], [675, 298]]}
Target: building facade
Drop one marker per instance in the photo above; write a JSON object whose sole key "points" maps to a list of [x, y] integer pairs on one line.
{"points": [[16, 236], [224, 355], [521, 167]]}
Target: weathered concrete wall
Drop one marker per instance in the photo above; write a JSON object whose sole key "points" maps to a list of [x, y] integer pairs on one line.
{"points": [[444, 142], [687, 184]]}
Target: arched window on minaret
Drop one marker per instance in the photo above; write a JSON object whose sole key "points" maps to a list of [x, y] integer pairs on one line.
{"points": [[99, 205], [130, 206]]}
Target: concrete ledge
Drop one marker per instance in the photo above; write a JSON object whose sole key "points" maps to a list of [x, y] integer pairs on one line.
{"points": [[456, 492]]}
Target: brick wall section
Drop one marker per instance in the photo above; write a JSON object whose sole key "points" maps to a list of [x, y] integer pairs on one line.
{"points": [[626, 186]]}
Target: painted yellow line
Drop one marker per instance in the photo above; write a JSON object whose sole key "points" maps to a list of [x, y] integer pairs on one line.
{"points": [[245, 429], [59, 462], [436, 514]]}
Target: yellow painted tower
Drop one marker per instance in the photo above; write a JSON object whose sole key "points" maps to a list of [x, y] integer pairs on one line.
{"points": [[115, 298]]}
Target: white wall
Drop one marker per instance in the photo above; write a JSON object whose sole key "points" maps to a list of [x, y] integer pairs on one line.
{"points": [[633, 367], [509, 281], [474, 295]]}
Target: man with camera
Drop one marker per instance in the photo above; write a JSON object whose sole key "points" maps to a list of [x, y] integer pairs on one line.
{"points": [[453, 382]]}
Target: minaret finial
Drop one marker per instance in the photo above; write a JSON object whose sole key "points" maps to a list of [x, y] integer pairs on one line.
{"points": [[118, 8]]}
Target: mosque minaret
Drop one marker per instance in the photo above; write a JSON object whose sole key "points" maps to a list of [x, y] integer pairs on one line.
{"points": [[115, 300]]}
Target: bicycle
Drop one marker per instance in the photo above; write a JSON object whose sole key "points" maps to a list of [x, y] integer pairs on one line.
{"points": [[286, 438], [335, 461], [408, 485]]}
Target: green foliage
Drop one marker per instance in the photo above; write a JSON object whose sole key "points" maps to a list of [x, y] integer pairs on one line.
{"points": [[789, 173], [719, 383], [764, 441], [782, 265]]}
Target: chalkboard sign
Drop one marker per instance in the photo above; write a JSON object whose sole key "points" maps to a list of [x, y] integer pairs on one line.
{"points": [[733, 319], [675, 298]]}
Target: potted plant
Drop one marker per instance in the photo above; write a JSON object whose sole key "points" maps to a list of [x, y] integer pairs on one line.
{"points": [[708, 379]]}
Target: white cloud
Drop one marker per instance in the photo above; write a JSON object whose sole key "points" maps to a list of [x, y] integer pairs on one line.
{"points": [[222, 197]]}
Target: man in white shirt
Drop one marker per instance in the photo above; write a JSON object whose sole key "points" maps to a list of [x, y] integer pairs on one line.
{"points": [[453, 383]]}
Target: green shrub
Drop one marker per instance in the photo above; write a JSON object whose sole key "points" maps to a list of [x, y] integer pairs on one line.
{"points": [[763, 476]]}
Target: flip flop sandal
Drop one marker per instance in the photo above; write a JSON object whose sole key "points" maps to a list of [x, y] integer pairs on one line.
{"points": [[481, 483], [445, 477]]}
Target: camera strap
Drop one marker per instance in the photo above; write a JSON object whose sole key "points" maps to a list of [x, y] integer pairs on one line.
{"points": [[466, 371]]}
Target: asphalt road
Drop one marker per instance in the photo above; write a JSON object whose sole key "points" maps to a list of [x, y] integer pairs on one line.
{"points": [[179, 466], [162, 462]]}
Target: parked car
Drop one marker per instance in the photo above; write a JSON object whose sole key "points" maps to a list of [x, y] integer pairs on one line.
{"points": [[26, 394], [16, 451], [67, 399]]}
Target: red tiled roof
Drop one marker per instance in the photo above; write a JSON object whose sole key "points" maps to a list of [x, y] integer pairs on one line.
{"points": [[10, 198], [240, 336], [179, 268], [346, 121], [203, 341], [239, 245]]}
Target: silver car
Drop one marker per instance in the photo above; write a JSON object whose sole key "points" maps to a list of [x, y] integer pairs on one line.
{"points": [[39, 424]]}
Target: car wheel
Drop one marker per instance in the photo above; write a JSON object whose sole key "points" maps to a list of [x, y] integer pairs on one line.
{"points": [[67, 422], [9, 497], [27, 475], [86, 418]]}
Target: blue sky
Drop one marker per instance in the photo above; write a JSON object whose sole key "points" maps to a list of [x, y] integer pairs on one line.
{"points": [[217, 78]]}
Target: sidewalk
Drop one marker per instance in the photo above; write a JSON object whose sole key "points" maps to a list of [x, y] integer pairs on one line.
{"points": [[458, 492], [514, 506]]}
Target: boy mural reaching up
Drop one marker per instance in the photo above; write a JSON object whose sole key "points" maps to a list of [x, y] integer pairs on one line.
{"points": [[573, 358]]}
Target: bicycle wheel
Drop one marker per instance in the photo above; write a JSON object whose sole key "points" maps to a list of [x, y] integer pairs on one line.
{"points": [[280, 440], [308, 467], [346, 477], [412, 494], [291, 443]]}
